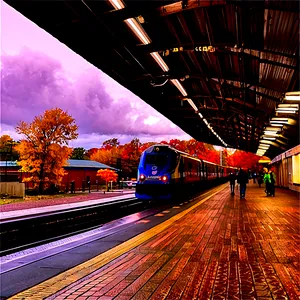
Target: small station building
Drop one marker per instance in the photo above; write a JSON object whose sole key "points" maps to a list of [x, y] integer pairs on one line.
{"points": [[79, 171]]}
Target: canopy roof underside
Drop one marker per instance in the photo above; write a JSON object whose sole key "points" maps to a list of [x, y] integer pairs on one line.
{"points": [[236, 84]]}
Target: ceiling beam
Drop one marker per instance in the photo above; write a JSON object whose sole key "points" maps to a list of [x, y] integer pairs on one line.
{"points": [[221, 47], [180, 76], [183, 5], [240, 51]]}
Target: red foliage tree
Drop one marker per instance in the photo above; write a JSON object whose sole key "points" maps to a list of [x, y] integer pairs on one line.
{"points": [[242, 159], [107, 175], [90, 152]]}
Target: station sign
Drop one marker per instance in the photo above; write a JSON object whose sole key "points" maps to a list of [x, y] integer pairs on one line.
{"points": [[167, 52], [205, 49], [172, 50]]}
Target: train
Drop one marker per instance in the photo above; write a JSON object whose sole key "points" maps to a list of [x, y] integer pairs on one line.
{"points": [[167, 173]]}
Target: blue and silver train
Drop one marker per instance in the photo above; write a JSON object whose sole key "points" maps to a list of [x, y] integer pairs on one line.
{"points": [[165, 173]]}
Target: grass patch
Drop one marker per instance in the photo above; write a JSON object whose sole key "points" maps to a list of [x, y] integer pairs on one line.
{"points": [[10, 200]]}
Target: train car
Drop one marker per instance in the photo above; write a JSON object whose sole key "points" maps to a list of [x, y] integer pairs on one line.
{"points": [[165, 173]]}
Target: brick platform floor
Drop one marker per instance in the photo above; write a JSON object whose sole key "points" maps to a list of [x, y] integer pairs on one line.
{"points": [[224, 248]]}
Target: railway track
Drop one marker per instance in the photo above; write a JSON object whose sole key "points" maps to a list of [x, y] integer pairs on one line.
{"points": [[21, 233]]}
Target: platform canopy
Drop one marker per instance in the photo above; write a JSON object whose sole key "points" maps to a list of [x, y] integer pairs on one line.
{"points": [[218, 69]]}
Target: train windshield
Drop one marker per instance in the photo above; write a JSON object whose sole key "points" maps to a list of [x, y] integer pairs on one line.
{"points": [[154, 159]]}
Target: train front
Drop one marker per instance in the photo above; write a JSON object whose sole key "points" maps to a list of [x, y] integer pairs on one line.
{"points": [[157, 164]]}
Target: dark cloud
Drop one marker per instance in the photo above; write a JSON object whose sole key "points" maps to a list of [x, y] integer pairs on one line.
{"points": [[32, 82]]}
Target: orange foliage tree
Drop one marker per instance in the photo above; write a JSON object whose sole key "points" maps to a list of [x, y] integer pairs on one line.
{"points": [[178, 144], [7, 148], [242, 159], [44, 151], [4, 140], [124, 157], [108, 153], [107, 175]]}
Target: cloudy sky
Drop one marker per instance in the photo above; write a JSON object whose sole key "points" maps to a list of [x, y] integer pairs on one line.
{"points": [[39, 73]]}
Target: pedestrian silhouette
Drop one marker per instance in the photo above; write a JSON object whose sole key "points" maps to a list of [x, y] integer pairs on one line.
{"points": [[232, 182], [242, 179]]}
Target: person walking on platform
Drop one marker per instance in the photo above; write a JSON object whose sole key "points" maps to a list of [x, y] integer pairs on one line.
{"points": [[232, 182], [272, 184], [242, 179], [267, 182], [260, 178]]}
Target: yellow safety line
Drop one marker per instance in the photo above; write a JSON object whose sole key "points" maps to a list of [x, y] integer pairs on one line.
{"points": [[60, 281]]}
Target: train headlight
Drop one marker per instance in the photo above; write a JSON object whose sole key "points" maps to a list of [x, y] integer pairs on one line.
{"points": [[142, 177], [164, 178]]}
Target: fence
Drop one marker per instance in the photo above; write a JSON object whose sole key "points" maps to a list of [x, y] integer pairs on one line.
{"points": [[13, 189]]}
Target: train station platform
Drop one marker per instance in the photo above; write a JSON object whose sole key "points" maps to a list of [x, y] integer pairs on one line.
{"points": [[23, 209], [216, 247]]}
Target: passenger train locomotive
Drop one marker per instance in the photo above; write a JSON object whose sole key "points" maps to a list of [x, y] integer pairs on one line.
{"points": [[165, 173]]}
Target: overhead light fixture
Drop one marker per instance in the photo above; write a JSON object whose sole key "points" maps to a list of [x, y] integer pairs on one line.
{"points": [[271, 132], [160, 61], [192, 104], [276, 124], [293, 96], [288, 106], [268, 132], [261, 150], [280, 119], [264, 147], [269, 138], [273, 128], [132, 23], [138, 30], [260, 153], [263, 141], [179, 86], [286, 111], [200, 115], [117, 4]]}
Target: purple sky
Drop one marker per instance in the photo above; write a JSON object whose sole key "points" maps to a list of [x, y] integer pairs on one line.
{"points": [[39, 73]]}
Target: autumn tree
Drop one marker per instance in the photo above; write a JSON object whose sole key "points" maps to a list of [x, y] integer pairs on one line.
{"points": [[79, 153], [44, 151], [243, 159], [90, 152], [145, 146], [4, 140], [106, 156], [107, 175], [131, 151], [7, 148], [111, 143], [178, 144]]}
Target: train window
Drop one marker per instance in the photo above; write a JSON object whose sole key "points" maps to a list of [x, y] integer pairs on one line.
{"points": [[190, 167], [173, 161], [156, 160], [211, 171], [203, 171], [199, 170]]}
